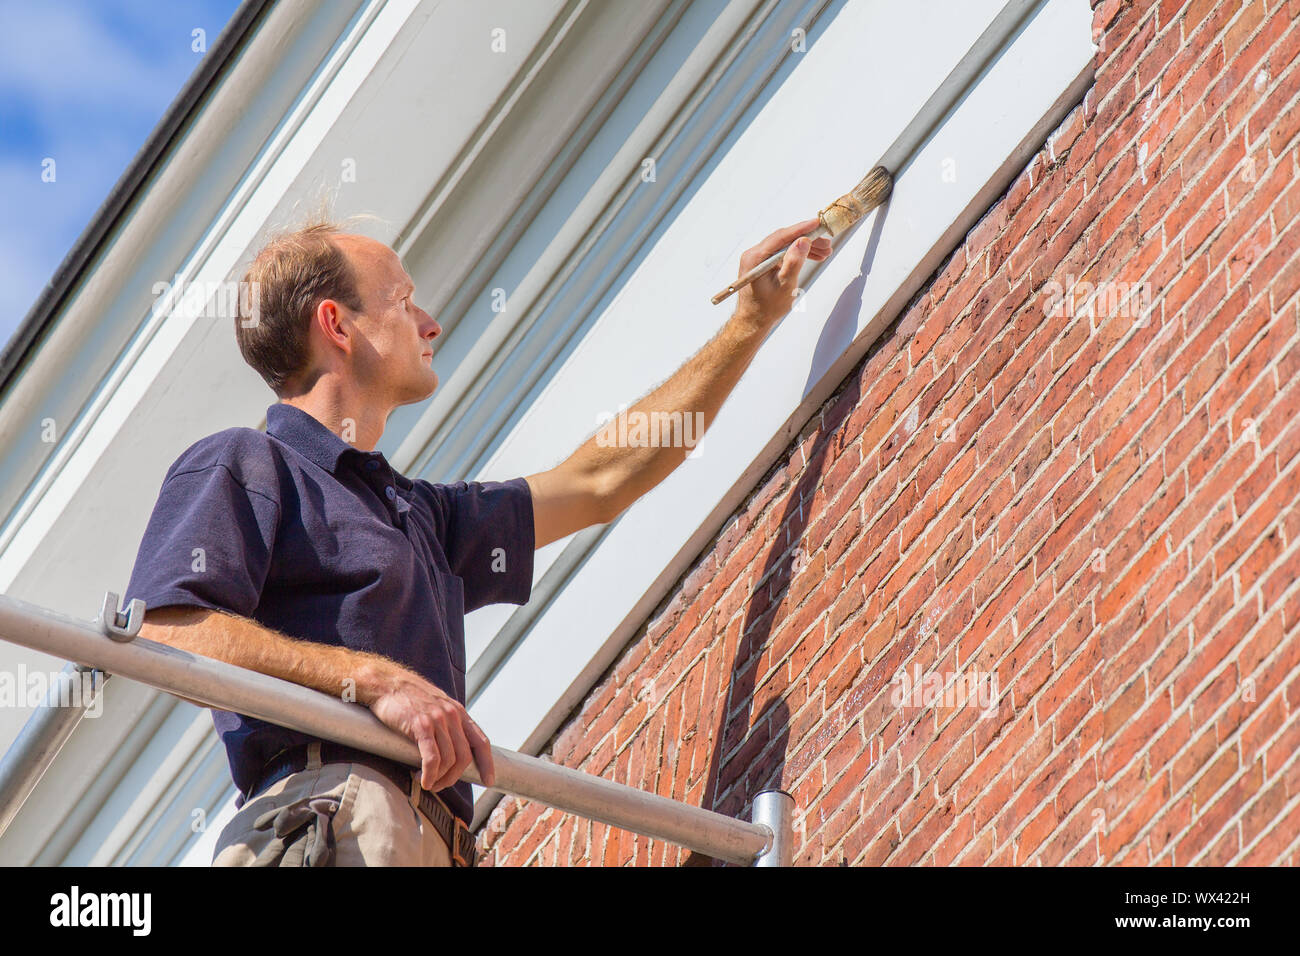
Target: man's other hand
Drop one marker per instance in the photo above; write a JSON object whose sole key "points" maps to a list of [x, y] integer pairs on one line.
{"points": [[448, 739]]}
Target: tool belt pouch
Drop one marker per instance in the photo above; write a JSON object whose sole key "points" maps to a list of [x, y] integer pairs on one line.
{"points": [[304, 833]]}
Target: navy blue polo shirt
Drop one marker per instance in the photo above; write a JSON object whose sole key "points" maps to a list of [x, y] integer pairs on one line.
{"points": [[308, 535]]}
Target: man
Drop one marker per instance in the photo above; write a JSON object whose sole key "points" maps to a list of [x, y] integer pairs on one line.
{"points": [[300, 553]]}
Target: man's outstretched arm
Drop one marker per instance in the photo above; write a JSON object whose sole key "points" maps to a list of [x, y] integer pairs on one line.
{"points": [[597, 482]]}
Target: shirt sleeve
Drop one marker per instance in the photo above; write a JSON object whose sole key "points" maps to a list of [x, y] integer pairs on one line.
{"points": [[208, 543], [487, 536]]}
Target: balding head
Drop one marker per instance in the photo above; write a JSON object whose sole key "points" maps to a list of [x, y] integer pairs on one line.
{"points": [[377, 268], [290, 277], [341, 306]]}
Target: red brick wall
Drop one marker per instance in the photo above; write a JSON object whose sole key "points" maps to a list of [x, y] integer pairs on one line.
{"points": [[1089, 509]]}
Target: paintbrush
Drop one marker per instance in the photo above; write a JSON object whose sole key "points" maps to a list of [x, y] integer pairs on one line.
{"points": [[836, 219]]}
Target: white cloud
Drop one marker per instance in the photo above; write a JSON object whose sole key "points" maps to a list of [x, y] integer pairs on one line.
{"points": [[57, 58]]}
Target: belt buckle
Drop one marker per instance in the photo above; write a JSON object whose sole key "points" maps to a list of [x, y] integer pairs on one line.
{"points": [[459, 826]]}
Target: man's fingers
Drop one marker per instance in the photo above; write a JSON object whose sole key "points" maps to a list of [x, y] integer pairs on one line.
{"points": [[429, 760], [446, 754], [482, 748], [460, 747], [783, 237], [793, 261]]}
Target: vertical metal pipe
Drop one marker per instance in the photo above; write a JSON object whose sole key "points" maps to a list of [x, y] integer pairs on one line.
{"points": [[43, 736], [774, 809]]}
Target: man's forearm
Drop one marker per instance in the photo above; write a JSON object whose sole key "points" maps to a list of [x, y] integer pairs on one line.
{"points": [[630, 455], [338, 671], [693, 394]]}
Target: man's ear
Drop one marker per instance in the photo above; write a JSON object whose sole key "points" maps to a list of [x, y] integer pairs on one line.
{"points": [[331, 321]]}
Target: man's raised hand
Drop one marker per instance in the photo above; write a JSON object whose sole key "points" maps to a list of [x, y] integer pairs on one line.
{"points": [[770, 297]]}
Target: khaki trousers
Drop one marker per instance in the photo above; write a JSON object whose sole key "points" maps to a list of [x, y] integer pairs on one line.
{"points": [[371, 821]]}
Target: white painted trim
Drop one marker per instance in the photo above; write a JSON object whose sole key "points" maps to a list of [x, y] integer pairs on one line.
{"points": [[197, 734]]}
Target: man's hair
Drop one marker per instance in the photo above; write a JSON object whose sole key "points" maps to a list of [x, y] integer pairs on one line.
{"points": [[291, 275]]}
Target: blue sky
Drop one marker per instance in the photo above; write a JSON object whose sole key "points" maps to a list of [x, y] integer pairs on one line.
{"points": [[82, 82]]}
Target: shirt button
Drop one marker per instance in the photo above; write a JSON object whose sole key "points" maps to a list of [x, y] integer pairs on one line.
{"points": [[390, 492], [372, 464]]}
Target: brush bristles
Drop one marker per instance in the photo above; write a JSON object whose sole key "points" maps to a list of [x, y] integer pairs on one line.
{"points": [[874, 188]]}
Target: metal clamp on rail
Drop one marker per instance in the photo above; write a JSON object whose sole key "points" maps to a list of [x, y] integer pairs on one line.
{"points": [[121, 626]]}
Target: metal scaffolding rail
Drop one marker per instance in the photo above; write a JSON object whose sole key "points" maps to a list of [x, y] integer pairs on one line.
{"points": [[110, 646]]}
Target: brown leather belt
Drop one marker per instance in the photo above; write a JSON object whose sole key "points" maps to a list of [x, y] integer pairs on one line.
{"points": [[452, 828]]}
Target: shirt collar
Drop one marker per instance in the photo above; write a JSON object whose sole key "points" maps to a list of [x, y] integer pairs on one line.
{"points": [[313, 440]]}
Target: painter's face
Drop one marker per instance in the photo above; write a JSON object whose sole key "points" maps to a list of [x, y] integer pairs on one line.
{"points": [[394, 359]]}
